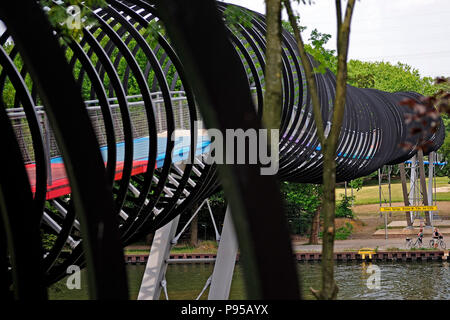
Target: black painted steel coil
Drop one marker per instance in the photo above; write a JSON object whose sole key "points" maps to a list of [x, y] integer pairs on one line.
{"points": [[134, 88]]}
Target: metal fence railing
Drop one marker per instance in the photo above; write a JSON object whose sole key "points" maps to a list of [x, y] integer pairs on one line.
{"points": [[137, 112]]}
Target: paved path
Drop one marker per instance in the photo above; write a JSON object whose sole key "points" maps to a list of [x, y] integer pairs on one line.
{"points": [[341, 245]]}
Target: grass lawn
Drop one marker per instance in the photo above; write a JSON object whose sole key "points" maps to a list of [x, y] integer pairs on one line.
{"points": [[370, 194], [203, 247]]}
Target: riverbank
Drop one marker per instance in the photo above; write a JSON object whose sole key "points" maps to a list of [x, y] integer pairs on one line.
{"points": [[344, 250], [300, 247], [314, 256], [367, 227]]}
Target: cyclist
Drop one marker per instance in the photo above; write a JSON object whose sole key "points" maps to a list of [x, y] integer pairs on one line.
{"points": [[436, 236], [420, 235]]}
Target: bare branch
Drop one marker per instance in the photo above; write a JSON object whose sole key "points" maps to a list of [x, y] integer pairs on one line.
{"points": [[338, 16], [341, 79]]}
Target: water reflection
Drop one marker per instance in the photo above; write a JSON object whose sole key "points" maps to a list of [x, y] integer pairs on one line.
{"points": [[399, 281]]}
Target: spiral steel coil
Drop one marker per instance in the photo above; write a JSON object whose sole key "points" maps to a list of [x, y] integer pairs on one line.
{"points": [[136, 96]]}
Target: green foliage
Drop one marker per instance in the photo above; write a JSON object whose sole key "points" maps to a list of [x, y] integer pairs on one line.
{"points": [[287, 26], [235, 15], [325, 58], [304, 196], [48, 240], [154, 28], [150, 34], [445, 150], [343, 208], [362, 80], [217, 200], [62, 14], [58, 15], [57, 287], [342, 233], [388, 77], [357, 184], [301, 201]]}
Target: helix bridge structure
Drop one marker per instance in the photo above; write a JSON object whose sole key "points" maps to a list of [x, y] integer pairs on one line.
{"points": [[135, 96]]}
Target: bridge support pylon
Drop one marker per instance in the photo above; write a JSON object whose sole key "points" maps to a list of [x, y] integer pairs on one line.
{"points": [[225, 261], [155, 270], [419, 192]]}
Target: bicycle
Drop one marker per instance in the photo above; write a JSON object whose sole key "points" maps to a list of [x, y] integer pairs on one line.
{"points": [[417, 244], [440, 243]]}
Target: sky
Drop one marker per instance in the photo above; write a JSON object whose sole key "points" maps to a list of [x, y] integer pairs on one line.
{"points": [[415, 32]]}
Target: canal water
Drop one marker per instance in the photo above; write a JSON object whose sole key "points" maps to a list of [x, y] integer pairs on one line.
{"points": [[397, 280]]}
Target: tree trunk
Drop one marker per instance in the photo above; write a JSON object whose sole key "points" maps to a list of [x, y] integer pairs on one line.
{"points": [[329, 288], [423, 186], [405, 192], [272, 76], [329, 144], [194, 231], [149, 238], [314, 235]]}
